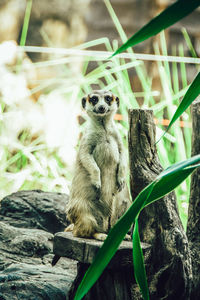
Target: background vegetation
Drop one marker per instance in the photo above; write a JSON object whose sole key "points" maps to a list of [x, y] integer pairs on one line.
{"points": [[38, 116]]}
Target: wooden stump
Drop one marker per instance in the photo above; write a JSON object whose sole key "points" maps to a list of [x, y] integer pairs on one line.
{"points": [[116, 281], [170, 272], [193, 225]]}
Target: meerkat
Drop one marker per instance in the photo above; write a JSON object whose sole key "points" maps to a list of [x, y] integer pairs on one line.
{"points": [[99, 194]]}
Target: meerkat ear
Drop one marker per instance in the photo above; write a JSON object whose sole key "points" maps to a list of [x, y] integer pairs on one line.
{"points": [[83, 102], [117, 100]]}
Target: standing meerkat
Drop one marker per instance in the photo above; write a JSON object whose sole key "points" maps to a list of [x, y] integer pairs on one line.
{"points": [[99, 195]]}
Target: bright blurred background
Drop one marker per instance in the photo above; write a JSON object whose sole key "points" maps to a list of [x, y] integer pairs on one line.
{"points": [[54, 52]]}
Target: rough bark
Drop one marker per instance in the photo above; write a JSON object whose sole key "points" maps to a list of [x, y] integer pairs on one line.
{"points": [[193, 225], [170, 271]]}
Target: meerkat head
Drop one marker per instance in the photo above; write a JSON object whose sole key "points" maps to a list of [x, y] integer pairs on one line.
{"points": [[100, 103]]}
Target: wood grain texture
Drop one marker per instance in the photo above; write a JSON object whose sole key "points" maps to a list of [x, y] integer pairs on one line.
{"points": [[170, 270], [193, 225], [85, 250]]}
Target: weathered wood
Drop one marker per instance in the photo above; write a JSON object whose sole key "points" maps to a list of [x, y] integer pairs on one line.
{"points": [[117, 280], [170, 273], [193, 225], [85, 250], [112, 284]]}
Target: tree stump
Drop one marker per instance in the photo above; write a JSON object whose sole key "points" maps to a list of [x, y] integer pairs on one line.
{"points": [[117, 279], [193, 225], [170, 273]]}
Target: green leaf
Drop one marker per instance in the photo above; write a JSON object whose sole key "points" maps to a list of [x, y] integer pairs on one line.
{"points": [[162, 185], [138, 263], [191, 94], [166, 18], [188, 163], [171, 177], [168, 184]]}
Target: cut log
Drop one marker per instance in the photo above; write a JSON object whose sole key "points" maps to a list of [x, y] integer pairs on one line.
{"points": [[170, 272], [116, 281], [193, 225]]}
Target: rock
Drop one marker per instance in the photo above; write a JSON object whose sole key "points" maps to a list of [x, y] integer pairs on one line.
{"points": [[26, 250], [35, 209]]}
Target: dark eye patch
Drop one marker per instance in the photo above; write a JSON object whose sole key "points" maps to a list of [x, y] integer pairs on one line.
{"points": [[108, 99], [93, 100]]}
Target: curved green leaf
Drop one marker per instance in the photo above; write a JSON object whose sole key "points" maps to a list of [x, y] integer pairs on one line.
{"points": [[138, 263], [166, 18], [171, 177], [163, 184], [168, 184], [191, 94]]}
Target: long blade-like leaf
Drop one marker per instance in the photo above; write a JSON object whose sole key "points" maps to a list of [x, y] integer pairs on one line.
{"points": [[138, 263], [179, 171], [171, 177], [191, 162], [168, 17], [191, 94], [168, 184]]}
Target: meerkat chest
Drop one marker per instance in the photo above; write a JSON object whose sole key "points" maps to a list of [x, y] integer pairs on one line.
{"points": [[106, 152]]}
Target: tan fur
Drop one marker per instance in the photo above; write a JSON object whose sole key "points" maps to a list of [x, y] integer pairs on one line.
{"points": [[99, 195]]}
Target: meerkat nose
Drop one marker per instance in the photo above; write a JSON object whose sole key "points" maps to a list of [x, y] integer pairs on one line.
{"points": [[101, 109]]}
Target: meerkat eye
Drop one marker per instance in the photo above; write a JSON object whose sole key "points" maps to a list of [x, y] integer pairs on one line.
{"points": [[108, 99], [93, 100]]}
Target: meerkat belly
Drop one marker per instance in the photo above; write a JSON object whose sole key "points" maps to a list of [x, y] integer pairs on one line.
{"points": [[106, 153], [107, 161]]}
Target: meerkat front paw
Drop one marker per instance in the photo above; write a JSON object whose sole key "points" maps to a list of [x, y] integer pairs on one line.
{"points": [[120, 178], [96, 182], [120, 184], [97, 188]]}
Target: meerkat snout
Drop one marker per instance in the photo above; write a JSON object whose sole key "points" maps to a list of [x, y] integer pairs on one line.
{"points": [[101, 109]]}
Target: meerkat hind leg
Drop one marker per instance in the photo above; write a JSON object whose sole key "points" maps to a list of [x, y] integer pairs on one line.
{"points": [[100, 236], [69, 228]]}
